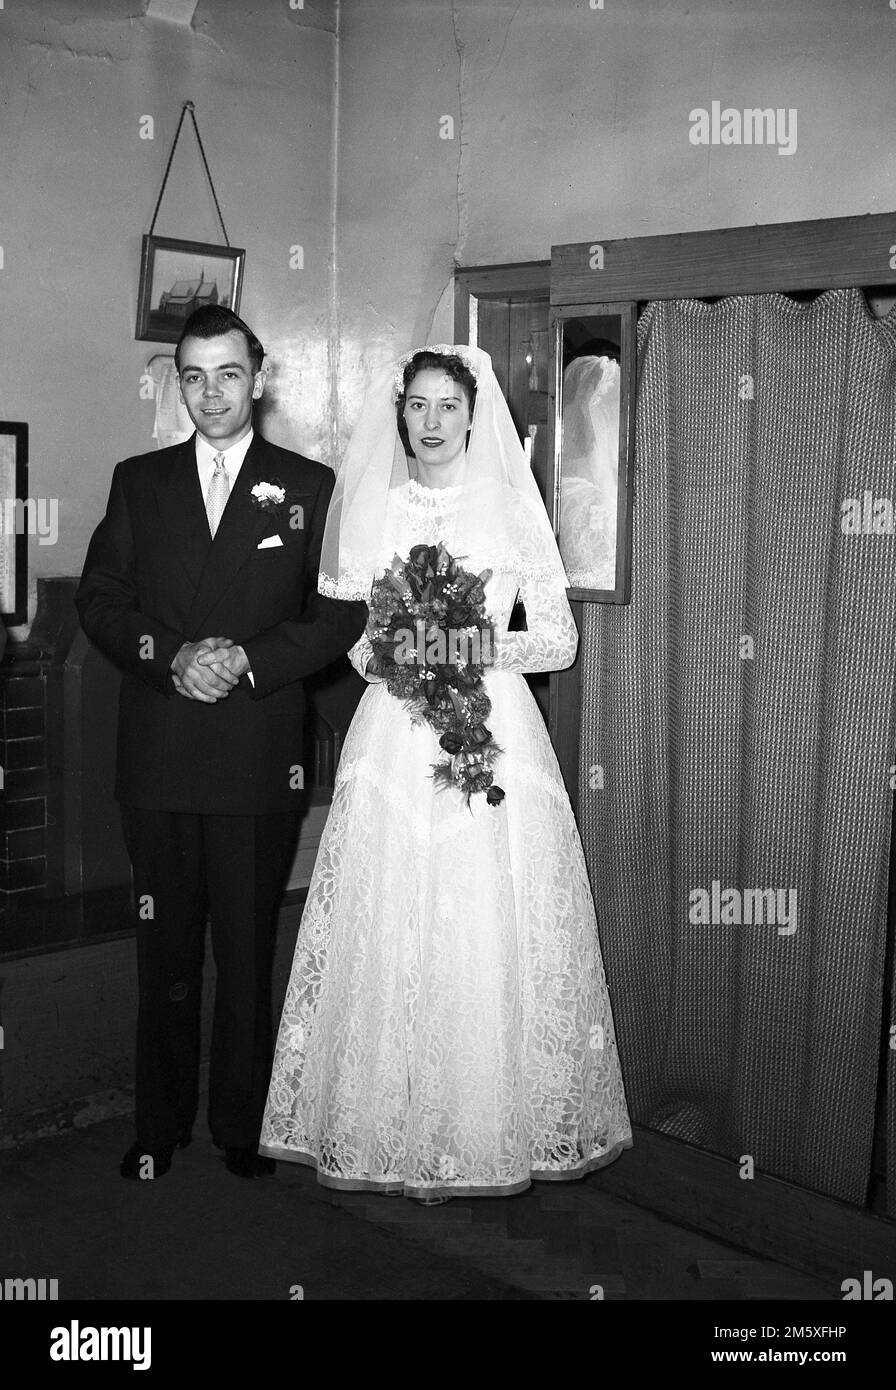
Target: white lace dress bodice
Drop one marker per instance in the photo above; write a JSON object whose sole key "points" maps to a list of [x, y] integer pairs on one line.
{"points": [[447, 1027]]}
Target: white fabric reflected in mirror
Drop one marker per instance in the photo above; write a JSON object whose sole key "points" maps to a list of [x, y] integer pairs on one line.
{"points": [[589, 476]]}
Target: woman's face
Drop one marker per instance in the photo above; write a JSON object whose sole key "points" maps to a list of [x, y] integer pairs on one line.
{"points": [[437, 415]]}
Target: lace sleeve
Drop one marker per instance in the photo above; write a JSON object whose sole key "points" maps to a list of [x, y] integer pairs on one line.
{"points": [[551, 638], [359, 655]]}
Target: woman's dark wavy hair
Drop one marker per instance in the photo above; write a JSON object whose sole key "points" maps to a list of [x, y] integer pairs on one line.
{"points": [[447, 362]]}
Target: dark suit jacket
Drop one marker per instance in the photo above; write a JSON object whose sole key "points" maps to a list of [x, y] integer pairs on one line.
{"points": [[154, 579]]}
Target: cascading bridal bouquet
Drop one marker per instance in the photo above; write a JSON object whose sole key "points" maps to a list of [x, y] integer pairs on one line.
{"points": [[432, 641]]}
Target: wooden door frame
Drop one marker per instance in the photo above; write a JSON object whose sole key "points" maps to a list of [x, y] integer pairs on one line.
{"points": [[526, 280], [780, 257]]}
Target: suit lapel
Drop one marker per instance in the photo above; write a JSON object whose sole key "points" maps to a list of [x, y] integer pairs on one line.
{"points": [[182, 511], [240, 529]]}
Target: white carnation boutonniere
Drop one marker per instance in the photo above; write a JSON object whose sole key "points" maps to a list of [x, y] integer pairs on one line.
{"points": [[268, 497]]}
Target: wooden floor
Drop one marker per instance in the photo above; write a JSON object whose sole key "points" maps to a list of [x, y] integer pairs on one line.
{"points": [[200, 1233], [569, 1241]]}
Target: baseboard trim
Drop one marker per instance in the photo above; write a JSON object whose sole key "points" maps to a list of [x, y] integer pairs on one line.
{"points": [[763, 1215]]}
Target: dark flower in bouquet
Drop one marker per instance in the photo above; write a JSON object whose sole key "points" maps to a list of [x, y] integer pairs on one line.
{"points": [[433, 640]]}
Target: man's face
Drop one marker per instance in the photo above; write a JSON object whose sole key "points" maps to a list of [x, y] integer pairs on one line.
{"points": [[218, 386]]}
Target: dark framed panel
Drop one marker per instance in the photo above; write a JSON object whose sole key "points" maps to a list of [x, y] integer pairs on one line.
{"points": [[177, 277], [16, 521], [590, 472]]}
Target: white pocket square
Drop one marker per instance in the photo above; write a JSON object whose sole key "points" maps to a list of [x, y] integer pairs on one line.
{"points": [[268, 540]]}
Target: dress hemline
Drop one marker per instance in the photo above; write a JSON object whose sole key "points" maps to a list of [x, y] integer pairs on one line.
{"points": [[388, 1189]]}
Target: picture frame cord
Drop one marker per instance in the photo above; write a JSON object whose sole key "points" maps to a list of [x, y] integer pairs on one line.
{"points": [[188, 106]]}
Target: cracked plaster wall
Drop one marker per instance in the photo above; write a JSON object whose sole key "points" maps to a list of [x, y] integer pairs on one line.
{"points": [[78, 191], [571, 123]]}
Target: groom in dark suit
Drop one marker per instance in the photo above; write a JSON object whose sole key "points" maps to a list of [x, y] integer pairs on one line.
{"points": [[200, 583]]}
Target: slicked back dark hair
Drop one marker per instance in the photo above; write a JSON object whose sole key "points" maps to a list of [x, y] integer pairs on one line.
{"points": [[214, 321], [447, 362]]}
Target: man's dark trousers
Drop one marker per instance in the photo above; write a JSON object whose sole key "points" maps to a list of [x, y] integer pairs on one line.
{"points": [[186, 866]]}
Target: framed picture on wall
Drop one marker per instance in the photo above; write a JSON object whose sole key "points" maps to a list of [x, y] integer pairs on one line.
{"points": [[177, 277], [14, 520]]}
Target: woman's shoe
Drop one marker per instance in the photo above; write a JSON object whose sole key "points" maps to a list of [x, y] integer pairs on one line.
{"points": [[435, 1201]]}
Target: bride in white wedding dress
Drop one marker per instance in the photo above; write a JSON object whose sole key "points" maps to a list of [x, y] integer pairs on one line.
{"points": [[447, 1028]]}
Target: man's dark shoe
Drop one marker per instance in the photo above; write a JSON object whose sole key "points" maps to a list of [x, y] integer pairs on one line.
{"points": [[247, 1164], [135, 1163]]}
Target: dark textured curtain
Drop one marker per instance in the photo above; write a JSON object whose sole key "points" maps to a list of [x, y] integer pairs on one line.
{"points": [[738, 733]]}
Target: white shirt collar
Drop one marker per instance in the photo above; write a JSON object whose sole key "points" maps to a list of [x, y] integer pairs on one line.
{"points": [[233, 457]]}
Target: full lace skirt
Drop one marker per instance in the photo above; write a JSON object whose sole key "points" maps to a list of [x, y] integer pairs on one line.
{"points": [[447, 1028]]}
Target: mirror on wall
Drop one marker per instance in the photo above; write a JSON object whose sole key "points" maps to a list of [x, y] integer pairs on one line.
{"points": [[594, 382]]}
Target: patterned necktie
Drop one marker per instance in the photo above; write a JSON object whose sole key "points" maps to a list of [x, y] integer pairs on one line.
{"points": [[218, 492]]}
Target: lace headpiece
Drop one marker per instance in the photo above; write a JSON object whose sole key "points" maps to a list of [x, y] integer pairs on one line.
{"points": [[443, 349]]}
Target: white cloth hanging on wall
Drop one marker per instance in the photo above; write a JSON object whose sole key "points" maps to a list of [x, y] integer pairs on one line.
{"points": [[172, 423]]}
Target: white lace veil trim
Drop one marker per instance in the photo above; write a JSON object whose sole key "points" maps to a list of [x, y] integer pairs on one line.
{"points": [[501, 513]]}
